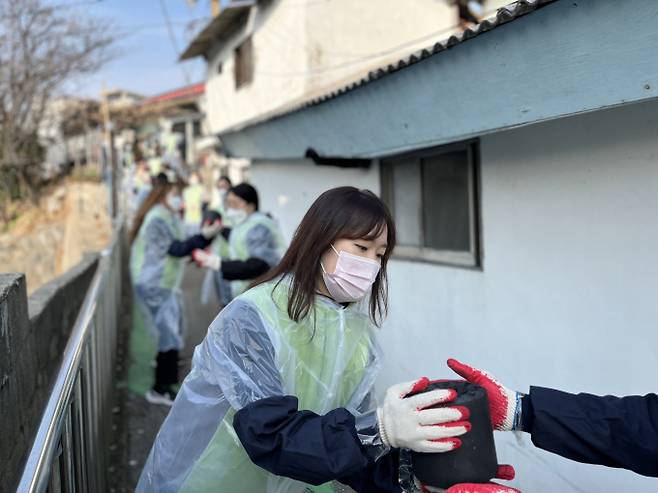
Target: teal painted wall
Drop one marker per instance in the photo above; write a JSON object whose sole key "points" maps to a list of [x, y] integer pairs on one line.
{"points": [[566, 58]]}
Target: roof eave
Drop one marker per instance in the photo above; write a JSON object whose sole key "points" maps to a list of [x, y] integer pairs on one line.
{"points": [[220, 29]]}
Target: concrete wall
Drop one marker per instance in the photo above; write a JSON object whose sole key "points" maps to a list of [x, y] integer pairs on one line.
{"points": [[288, 188], [567, 295], [33, 335]]}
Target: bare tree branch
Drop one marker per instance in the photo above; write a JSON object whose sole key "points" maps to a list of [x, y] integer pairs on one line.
{"points": [[41, 49]]}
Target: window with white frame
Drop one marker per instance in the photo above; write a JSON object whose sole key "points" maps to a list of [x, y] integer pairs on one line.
{"points": [[433, 196]]}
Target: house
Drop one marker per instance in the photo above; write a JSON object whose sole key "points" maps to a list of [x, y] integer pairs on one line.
{"points": [[120, 99], [266, 55], [177, 115], [70, 133], [520, 160]]}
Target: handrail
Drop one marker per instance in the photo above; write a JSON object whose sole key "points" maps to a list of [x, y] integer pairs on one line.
{"points": [[55, 419]]}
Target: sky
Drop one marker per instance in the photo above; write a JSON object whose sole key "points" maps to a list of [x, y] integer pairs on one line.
{"points": [[147, 61]]}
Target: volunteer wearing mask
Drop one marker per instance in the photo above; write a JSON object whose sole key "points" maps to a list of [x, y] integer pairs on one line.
{"points": [[255, 241], [218, 198], [610, 431], [156, 269], [280, 397], [192, 197]]}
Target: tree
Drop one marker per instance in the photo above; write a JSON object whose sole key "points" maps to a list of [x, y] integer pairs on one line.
{"points": [[41, 49]]}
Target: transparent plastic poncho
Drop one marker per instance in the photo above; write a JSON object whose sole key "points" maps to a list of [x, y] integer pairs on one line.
{"points": [[156, 277], [258, 236], [254, 350]]}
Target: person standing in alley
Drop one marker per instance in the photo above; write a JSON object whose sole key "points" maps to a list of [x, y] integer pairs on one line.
{"points": [[280, 398], [218, 195], [192, 198], [255, 242], [156, 267]]}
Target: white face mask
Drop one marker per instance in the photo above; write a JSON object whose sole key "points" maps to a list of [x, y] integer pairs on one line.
{"points": [[236, 216], [174, 202], [353, 277]]}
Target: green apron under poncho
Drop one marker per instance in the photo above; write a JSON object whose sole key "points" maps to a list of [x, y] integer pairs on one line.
{"points": [[254, 350], [258, 236], [158, 321]]}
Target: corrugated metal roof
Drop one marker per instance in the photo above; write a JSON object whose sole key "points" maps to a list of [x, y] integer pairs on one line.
{"points": [[504, 15]]}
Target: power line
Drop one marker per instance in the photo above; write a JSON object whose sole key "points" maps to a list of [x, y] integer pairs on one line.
{"points": [[81, 3], [172, 37], [157, 25], [362, 59]]}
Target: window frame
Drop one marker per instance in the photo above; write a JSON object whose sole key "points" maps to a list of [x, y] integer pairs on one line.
{"points": [[472, 259], [243, 63]]}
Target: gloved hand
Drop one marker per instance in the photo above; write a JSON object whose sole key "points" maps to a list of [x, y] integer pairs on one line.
{"points": [[405, 422], [503, 402], [206, 260], [209, 231], [504, 472]]}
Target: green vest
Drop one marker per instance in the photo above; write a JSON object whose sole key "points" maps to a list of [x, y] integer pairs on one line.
{"points": [[321, 361], [155, 165], [239, 247], [172, 273], [192, 197], [221, 247]]}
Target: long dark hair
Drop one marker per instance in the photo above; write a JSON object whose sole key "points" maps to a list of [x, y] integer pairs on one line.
{"points": [[344, 212], [157, 195]]}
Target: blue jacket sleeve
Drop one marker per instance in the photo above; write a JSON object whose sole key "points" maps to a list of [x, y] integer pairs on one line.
{"points": [[311, 448], [611, 431]]}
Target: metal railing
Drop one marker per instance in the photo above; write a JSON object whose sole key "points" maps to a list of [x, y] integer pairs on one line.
{"points": [[69, 453]]}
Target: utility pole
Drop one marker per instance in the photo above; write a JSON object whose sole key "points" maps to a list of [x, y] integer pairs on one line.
{"points": [[111, 156], [215, 7]]}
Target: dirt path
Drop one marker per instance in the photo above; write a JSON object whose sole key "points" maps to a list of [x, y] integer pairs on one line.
{"points": [[48, 240]]}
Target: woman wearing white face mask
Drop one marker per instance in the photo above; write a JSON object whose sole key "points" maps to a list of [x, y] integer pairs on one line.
{"points": [[255, 242], [156, 267], [280, 397], [218, 196]]}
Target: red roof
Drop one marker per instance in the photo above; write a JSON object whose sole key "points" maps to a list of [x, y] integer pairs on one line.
{"points": [[180, 93]]}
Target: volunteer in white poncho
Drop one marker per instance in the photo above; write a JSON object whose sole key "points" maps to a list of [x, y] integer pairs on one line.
{"points": [[280, 397]]}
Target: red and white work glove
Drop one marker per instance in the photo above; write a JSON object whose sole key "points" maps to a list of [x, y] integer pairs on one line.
{"points": [[206, 260], [406, 422], [503, 403], [504, 472], [209, 231]]}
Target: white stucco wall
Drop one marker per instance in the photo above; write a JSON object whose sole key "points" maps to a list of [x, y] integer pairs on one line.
{"points": [[278, 42], [287, 189], [345, 38], [567, 296]]}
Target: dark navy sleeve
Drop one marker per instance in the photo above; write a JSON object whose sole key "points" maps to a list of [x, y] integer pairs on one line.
{"points": [[238, 270], [311, 448], [183, 248], [610, 431]]}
